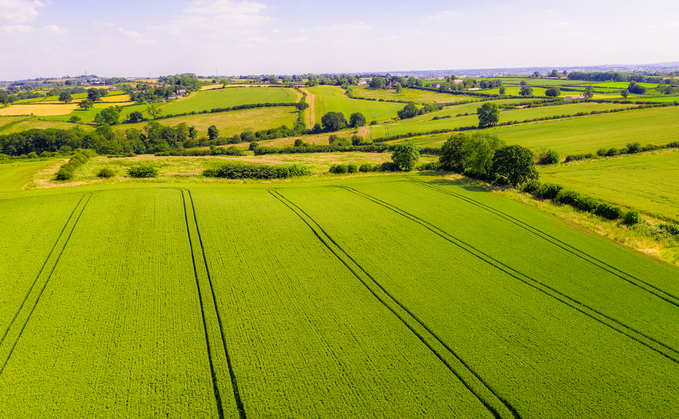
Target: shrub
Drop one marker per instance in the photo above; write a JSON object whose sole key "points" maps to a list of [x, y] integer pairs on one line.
{"points": [[142, 171], [631, 217], [429, 166], [255, 171], [388, 166], [548, 157], [601, 152], [367, 167], [352, 168], [32, 155], [608, 211], [612, 152], [338, 169], [586, 203], [549, 191], [567, 197], [63, 174], [633, 148], [106, 172], [670, 228], [531, 186]]}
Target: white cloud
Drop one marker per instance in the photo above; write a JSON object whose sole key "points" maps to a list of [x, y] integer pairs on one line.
{"points": [[277, 31], [217, 17], [445, 14], [16, 29], [19, 11], [103, 24], [53, 29]]}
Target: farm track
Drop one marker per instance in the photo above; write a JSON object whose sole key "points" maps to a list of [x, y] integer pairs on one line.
{"points": [[311, 109], [15, 329], [657, 292], [499, 407], [218, 353], [592, 313]]}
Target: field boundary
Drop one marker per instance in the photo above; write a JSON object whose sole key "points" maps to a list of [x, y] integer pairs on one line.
{"points": [[499, 407], [210, 313], [614, 324], [16, 327]]}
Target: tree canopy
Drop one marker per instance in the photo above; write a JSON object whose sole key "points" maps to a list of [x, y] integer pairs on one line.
{"points": [[356, 120], [514, 163], [526, 90], [408, 111], [406, 156], [489, 114], [333, 121], [553, 92]]}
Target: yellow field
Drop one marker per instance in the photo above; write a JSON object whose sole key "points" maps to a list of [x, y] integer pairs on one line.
{"points": [[211, 87], [39, 110], [116, 98]]}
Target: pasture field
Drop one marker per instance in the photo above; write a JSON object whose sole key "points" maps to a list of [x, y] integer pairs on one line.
{"points": [[25, 124], [332, 99], [646, 181], [426, 123], [87, 115], [223, 98], [512, 90], [369, 296], [622, 85], [410, 95], [230, 123], [542, 82]]}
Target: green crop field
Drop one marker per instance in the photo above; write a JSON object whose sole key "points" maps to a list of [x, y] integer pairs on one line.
{"points": [[426, 123], [230, 123], [377, 296], [224, 98], [410, 95], [646, 181], [332, 99]]}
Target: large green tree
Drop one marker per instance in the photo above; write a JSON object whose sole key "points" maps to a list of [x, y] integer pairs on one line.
{"points": [[463, 152], [408, 111], [489, 114], [514, 163], [333, 121], [65, 97], [110, 116], [526, 90], [406, 156], [356, 120], [212, 132]]}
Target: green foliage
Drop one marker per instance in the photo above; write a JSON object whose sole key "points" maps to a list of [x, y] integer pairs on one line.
{"points": [[256, 171], [106, 172], [608, 211], [66, 171], [333, 121], [632, 217], [526, 90], [356, 120], [142, 171], [406, 156], [514, 163], [212, 132], [553, 92], [109, 116], [489, 114], [475, 153], [408, 111], [548, 157]]}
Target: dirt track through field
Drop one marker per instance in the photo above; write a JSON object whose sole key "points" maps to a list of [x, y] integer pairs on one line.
{"points": [[311, 110]]}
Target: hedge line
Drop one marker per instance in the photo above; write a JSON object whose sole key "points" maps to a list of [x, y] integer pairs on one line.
{"points": [[256, 171], [213, 151], [80, 157]]}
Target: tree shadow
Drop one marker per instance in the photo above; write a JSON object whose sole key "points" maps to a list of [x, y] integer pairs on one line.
{"points": [[465, 183]]}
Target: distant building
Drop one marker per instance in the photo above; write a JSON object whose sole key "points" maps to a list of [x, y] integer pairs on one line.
{"points": [[363, 82], [435, 85]]}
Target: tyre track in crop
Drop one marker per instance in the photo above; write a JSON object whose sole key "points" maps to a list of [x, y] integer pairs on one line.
{"points": [[612, 323], [495, 404], [15, 329], [627, 277], [217, 351]]}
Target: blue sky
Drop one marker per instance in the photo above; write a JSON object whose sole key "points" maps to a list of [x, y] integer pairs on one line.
{"points": [[49, 38]]}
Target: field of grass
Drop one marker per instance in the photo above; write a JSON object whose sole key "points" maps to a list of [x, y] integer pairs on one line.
{"points": [[332, 99], [25, 124], [426, 123], [230, 123], [646, 181], [622, 85], [542, 82], [411, 95], [374, 296], [513, 90], [223, 98]]}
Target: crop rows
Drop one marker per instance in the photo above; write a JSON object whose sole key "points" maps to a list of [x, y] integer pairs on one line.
{"points": [[531, 348]]}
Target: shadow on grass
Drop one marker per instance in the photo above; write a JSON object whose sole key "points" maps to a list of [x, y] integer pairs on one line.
{"points": [[465, 183]]}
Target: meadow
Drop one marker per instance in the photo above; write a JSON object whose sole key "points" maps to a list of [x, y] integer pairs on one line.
{"points": [[224, 98], [382, 296], [333, 99], [409, 95], [646, 181]]}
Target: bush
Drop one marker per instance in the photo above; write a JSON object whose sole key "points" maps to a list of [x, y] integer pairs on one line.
{"points": [[338, 169], [142, 171], [601, 152], [567, 197], [608, 211], [352, 168], [388, 166], [429, 166], [32, 155], [670, 228], [106, 172], [255, 171], [531, 186], [633, 148], [631, 217], [549, 191], [586, 203], [612, 152], [63, 174], [548, 157]]}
